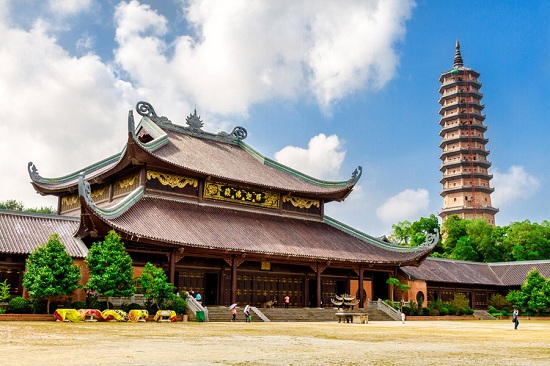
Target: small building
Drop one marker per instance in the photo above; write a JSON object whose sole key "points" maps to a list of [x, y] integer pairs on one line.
{"points": [[441, 279]]}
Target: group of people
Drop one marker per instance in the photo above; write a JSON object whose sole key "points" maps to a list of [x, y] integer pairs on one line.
{"points": [[248, 315], [196, 296]]}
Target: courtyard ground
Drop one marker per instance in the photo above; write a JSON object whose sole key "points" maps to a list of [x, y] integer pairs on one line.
{"points": [[377, 343]]}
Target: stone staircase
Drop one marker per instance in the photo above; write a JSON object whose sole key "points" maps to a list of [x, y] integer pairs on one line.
{"points": [[483, 315], [222, 314]]}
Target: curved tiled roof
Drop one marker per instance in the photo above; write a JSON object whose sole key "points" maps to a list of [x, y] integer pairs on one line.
{"points": [[452, 271], [476, 273], [21, 233], [205, 154], [240, 163], [210, 227]]}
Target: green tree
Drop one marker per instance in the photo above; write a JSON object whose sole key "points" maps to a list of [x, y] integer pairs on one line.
{"points": [[423, 227], [465, 250], [111, 272], [11, 205], [4, 291], [41, 210], [529, 241], [401, 233], [50, 271], [155, 285], [534, 294], [453, 228]]}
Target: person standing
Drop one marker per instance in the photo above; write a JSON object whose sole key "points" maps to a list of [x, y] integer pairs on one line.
{"points": [[515, 319], [403, 317], [287, 301], [234, 313]]}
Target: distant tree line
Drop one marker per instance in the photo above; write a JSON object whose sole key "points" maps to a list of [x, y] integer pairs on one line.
{"points": [[18, 206], [478, 241]]}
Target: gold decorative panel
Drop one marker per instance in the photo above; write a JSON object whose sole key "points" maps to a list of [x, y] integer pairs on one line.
{"points": [[300, 202], [226, 192], [69, 203], [126, 184], [100, 193], [171, 180]]}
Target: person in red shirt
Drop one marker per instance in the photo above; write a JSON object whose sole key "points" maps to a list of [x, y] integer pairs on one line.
{"points": [[287, 301]]}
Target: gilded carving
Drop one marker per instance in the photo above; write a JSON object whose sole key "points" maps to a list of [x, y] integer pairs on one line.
{"points": [[128, 181], [69, 202], [172, 180], [99, 193], [225, 192], [301, 202]]}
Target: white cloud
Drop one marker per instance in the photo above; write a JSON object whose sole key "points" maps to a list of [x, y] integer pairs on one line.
{"points": [[59, 111], [322, 159], [242, 54], [512, 185], [69, 7], [406, 205]]}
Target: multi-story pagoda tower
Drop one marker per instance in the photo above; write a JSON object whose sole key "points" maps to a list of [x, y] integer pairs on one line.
{"points": [[466, 189]]}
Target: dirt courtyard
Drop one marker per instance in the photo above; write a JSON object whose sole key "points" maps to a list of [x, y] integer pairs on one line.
{"points": [[376, 343]]}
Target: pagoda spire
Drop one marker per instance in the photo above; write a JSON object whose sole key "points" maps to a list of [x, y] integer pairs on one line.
{"points": [[458, 56]]}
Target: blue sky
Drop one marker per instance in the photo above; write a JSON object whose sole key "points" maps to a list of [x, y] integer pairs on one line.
{"points": [[321, 86]]}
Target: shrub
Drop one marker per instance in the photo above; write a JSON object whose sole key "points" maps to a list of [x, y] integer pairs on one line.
{"points": [[426, 311], [459, 301], [434, 312], [38, 306], [92, 302], [498, 301], [438, 304], [19, 305], [491, 310], [444, 311], [505, 310], [2, 311], [465, 311], [406, 310], [4, 291], [78, 305], [179, 305]]}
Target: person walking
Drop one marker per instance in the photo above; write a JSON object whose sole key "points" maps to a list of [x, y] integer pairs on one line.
{"points": [[287, 301], [234, 314], [247, 316], [403, 317], [515, 319]]}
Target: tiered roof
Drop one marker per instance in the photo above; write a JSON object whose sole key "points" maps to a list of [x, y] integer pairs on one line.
{"points": [[22, 232]]}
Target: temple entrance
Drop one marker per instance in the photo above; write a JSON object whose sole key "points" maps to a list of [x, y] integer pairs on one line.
{"points": [[312, 291], [210, 289], [379, 286]]}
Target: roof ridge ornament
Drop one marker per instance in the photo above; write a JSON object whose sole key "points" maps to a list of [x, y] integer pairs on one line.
{"points": [[431, 240], [194, 122], [33, 171], [85, 190], [356, 174], [146, 110]]}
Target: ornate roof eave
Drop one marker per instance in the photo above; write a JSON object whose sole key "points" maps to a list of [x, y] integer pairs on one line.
{"points": [[423, 250], [271, 163], [235, 137], [69, 182], [112, 212]]}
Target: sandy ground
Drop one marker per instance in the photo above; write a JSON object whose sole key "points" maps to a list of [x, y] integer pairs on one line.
{"points": [[376, 343]]}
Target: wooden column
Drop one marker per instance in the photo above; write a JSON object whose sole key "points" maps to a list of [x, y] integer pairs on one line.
{"points": [[361, 299], [233, 280], [172, 277], [319, 285]]}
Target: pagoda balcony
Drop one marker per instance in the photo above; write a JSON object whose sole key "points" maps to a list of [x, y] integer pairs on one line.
{"points": [[475, 108], [450, 164], [468, 188], [461, 93], [461, 115], [463, 138], [460, 83], [462, 126], [466, 175], [468, 208], [466, 151]]}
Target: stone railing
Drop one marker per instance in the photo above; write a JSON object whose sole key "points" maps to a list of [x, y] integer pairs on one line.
{"points": [[381, 305]]}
